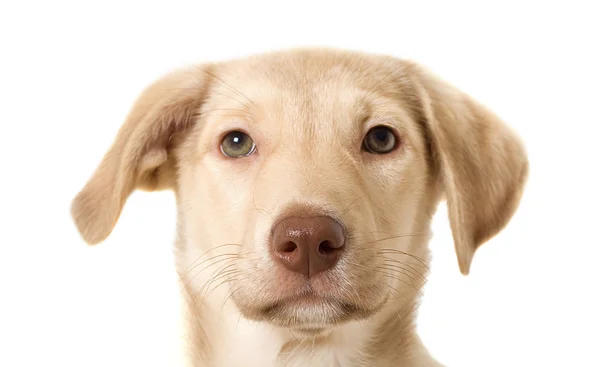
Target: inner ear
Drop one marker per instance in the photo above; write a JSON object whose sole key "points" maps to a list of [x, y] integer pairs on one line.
{"points": [[155, 170]]}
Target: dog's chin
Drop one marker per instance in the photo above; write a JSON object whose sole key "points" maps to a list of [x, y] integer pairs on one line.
{"points": [[309, 315]]}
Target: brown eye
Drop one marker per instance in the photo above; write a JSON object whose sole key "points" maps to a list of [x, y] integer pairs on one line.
{"points": [[380, 140], [237, 144]]}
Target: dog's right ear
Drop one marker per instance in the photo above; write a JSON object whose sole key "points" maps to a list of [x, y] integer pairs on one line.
{"points": [[139, 156]]}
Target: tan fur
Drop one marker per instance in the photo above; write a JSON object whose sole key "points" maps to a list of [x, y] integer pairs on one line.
{"points": [[308, 111]]}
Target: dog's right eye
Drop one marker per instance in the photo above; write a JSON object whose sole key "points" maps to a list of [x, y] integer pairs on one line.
{"points": [[237, 144]]}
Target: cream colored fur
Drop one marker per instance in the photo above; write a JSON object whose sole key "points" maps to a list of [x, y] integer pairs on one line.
{"points": [[308, 111]]}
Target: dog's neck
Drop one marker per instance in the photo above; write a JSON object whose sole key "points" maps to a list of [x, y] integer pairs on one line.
{"points": [[218, 335]]}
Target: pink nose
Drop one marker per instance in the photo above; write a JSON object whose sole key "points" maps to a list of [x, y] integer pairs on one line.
{"points": [[308, 246]]}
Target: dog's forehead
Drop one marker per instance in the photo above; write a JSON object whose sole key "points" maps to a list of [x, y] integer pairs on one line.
{"points": [[298, 68], [307, 88]]}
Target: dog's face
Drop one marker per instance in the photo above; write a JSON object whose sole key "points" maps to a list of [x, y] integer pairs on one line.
{"points": [[306, 180], [315, 181]]}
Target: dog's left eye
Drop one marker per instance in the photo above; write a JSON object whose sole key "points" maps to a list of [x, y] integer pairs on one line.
{"points": [[380, 140]]}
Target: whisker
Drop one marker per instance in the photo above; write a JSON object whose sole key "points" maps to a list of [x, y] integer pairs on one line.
{"points": [[230, 262], [388, 271], [233, 282], [398, 270], [226, 278], [194, 266], [235, 278], [263, 211], [398, 278], [399, 252], [399, 236], [231, 294], [215, 248], [367, 270], [231, 97], [223, 271], [212, 92], [241, 112], [370, 90], [398, 263], [352, 203], [191, 279], [237, 257], [206, 286], [395, 290], [225, 84]]}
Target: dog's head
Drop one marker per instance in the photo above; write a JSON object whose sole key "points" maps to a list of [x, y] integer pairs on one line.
{"points": [[306, 179]]}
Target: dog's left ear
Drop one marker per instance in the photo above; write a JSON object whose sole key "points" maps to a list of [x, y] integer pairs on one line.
{"points": [[482, 163]]}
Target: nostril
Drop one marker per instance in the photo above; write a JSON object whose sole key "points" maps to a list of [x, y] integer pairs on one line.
{"points": [[328, 247], [288, 247]]}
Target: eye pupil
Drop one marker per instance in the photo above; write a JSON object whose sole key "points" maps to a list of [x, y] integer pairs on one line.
{"points": [[381, 134], [380, 140]]}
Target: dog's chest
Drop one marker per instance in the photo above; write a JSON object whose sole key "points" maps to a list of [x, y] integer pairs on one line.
{"points": [[306, 355], [261, 346], [320, 357]]}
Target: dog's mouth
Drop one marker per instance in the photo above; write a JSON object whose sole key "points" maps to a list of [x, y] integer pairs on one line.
{"points": [[310, 313], [312, 305]]}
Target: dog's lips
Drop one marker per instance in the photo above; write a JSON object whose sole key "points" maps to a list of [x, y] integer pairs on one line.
{"points": [[308, 299], [308, 313]]}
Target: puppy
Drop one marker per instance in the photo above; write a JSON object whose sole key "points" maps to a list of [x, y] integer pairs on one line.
{"points": [[306, 181]]}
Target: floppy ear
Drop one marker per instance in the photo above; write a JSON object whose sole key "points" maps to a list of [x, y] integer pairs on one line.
{"points": [[139, 156], [482, 163]]}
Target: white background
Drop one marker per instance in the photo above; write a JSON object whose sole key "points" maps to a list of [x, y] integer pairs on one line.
{"points": [[71, 70]]}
